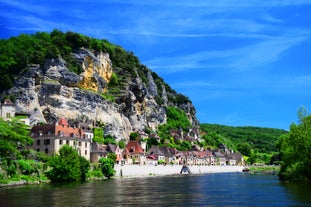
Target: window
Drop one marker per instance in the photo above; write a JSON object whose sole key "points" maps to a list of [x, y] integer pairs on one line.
{"points": [[8, 115], [38, 142], [60, 142], [38, 150], [46, 141], [46, 151], [67, 142], [85, 152], [80, 144], [85, 144]]}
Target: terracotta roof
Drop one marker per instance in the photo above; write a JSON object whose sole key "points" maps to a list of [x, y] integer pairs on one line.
{"points": [[134, 147], [63, 122]]}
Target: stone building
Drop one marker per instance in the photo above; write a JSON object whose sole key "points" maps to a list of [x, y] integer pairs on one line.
{"points": [[49, 138], [7, 109]]}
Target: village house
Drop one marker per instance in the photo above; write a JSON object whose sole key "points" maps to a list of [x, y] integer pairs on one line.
{"points": [[154, 155], [234, 159], [219, 158], [7, 112], [101, 150], [133, 153], [7, 109], [49, 138], [115, 149], [97, 151]]}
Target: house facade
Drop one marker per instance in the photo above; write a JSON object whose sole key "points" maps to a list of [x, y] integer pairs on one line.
{"points": [[134, 154], [7, 109], [49, 138]]}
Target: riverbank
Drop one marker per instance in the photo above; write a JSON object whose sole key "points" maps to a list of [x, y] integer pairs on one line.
{"points": [[161, 170], [132, 171]]}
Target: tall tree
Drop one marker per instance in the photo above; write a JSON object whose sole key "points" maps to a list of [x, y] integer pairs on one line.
{"points": [[295, 152]]}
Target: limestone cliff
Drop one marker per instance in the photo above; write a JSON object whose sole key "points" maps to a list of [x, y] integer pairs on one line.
{"points": [[50, 91]]}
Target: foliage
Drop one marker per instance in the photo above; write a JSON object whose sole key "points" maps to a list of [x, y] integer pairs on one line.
{"points": [[95, 172], [26, 166], [98, 135], [161, 162], [184, 146], [84, 167], [244, 148], [151, 141], [134, 136], [14, 138], [121, 144], [68, 166], [109, 140], [106, 166], [260, 139], [176, 119], [114, 80], [295, 152]]}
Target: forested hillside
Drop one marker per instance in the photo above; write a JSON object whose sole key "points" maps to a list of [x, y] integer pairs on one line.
{"points": [[243, 139]]}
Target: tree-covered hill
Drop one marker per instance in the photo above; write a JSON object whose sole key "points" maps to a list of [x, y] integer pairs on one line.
{"points": [[243, 139]]}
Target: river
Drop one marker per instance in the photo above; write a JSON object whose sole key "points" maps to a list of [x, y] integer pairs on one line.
{"points": [[218, 189]]}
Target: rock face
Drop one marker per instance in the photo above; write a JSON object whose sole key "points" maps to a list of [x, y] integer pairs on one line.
{"points": [[50, 91]]}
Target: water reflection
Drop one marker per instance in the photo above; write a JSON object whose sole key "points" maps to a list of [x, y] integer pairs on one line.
{"points": [[224, 189], [301, 193]]}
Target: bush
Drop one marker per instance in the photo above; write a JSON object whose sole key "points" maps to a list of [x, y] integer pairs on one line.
{"points": [[68, 166], [26, 166], [106, 166]]}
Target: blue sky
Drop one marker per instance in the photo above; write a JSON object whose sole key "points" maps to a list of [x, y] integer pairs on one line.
{"points": [[242, 63]]}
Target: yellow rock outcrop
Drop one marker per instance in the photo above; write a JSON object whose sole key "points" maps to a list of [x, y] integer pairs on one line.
{"points": [[95, 70]]}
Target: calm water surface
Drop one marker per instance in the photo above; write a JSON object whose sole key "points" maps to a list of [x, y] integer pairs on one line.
{"points": [[220, 189]]}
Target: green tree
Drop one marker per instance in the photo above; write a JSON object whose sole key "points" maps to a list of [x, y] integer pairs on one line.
{"points": [[244, 148], [134, 136], [14, 138], [68, 166], [121, 144], [252, 157], [84, 167], [152, 141], [295, 152], [106, 165], [98, 135]]}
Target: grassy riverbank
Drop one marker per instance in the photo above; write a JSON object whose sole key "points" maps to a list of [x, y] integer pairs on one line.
{"points": [[265, 169]]}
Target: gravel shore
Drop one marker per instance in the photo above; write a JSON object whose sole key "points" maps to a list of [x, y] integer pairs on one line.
{"points": [[161, 170]]}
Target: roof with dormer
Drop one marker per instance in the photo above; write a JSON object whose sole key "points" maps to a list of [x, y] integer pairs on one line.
{"points": [[133, 147]]}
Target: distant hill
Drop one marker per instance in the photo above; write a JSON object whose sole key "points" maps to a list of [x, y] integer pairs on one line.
{"points": [[259, 138]]}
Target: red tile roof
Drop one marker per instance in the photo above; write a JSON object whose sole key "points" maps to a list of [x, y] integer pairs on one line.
{"points": [[63, 122], [134, 147]]}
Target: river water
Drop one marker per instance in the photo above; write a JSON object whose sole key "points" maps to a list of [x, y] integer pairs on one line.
{"points": [[219, 189]]}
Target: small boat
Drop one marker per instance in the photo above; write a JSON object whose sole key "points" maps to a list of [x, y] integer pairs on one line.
{"points": [[245, 169]]}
